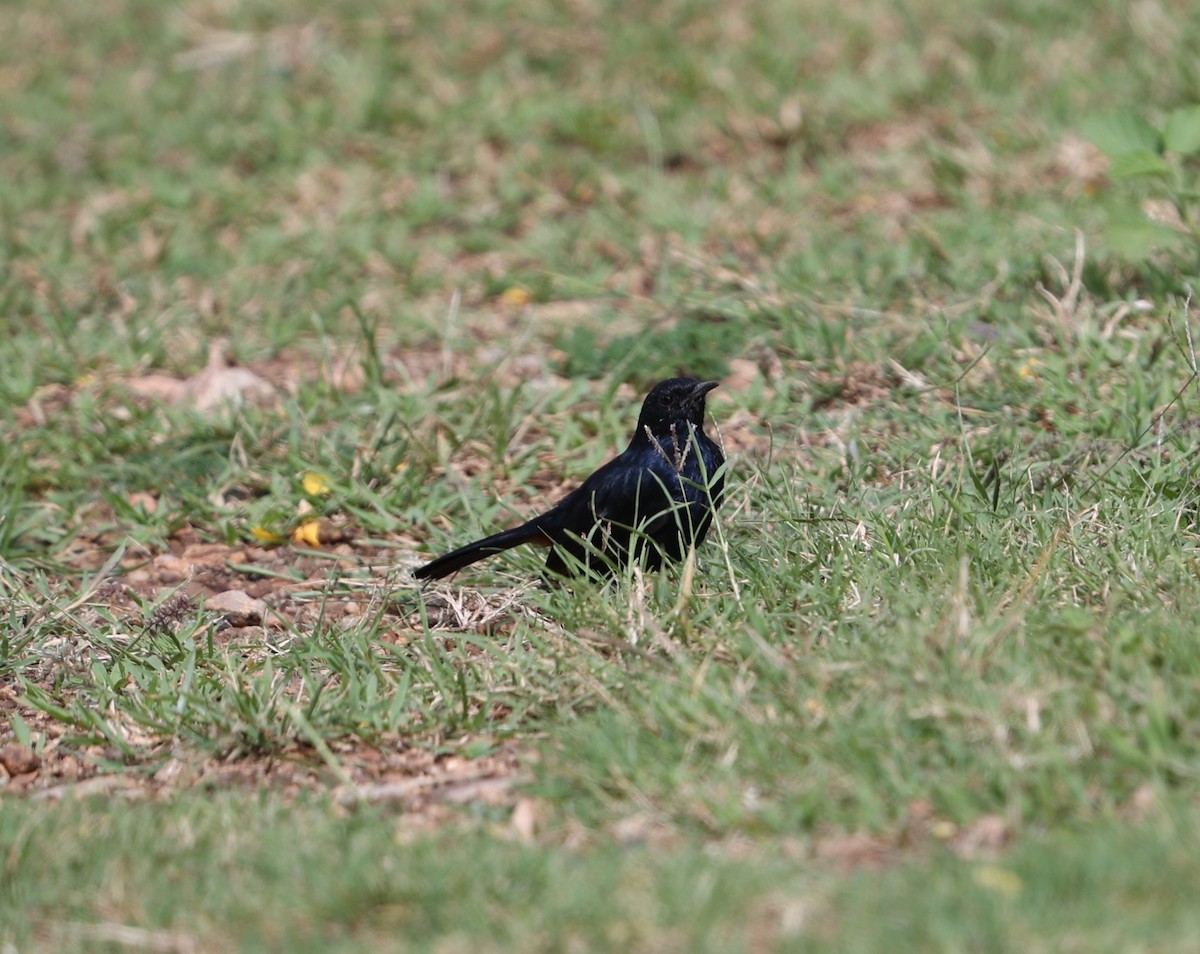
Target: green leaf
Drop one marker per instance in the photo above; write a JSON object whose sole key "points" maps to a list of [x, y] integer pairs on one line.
{"points": [[20, 729], [1117, 134], [1130, 235], [1141, 162], [1182, 132]]}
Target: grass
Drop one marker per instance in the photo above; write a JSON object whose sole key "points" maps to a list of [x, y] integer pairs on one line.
{"points": [[359, 883], [931, 685]]}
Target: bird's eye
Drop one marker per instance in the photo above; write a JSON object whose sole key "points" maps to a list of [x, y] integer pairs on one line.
{"points": [[664, 399]]}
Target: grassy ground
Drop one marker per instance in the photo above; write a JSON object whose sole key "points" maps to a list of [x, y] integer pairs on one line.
{"points": [[933, 684]]}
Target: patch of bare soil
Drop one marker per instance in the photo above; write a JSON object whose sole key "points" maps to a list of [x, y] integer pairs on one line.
{"points": [[418, 781], [262, 597]]}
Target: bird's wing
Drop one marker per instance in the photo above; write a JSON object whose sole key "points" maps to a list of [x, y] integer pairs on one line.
{"points": [[626, 491]]}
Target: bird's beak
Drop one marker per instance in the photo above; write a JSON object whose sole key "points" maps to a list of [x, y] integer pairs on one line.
{"points": [[703, 388]]}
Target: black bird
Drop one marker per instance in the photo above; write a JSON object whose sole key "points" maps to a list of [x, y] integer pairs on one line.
{"points": [[649, 504]]}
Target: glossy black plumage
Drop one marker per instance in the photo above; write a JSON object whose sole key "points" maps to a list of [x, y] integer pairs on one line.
{"points": [[649, 504]]}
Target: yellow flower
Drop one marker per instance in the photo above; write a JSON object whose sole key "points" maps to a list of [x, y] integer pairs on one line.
{"points": [[308, 533], [516, 296], [315, 485]]}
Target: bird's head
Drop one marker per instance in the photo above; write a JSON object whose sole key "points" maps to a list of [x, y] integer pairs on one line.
{"points": [[677, 401]]}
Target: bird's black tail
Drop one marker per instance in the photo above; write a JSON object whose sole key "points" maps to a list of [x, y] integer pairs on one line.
{"points": [[455, 560]]}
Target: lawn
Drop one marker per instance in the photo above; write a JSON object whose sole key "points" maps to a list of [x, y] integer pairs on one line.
{"points": [[296, 296]]}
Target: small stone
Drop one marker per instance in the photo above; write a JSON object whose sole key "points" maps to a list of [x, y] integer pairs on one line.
{"points": [[171, 569], [147, 502], [207, 554], [238, 608], [19, 759]]}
